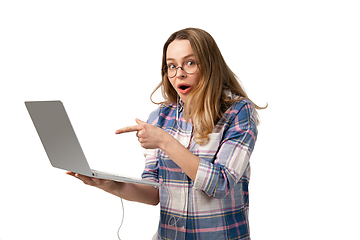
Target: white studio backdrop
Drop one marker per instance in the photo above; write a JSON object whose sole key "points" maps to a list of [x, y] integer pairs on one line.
{"points": [[102, 59]]}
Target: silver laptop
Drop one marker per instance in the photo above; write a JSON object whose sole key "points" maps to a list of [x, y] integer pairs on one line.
{"points": [[61, 144]]}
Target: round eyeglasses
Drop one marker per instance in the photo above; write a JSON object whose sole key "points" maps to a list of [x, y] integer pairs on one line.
{"points": [[190, 67]]}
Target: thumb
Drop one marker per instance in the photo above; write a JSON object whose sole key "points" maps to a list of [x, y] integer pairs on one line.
{"points": [[138, 121]]}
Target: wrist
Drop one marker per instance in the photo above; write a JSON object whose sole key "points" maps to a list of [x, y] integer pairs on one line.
{"points": [[165, 141]]}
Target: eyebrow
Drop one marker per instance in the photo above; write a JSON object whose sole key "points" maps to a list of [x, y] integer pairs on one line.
{"points": [[187, 56]]}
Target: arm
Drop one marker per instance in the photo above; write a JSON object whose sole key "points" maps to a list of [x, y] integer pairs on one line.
{"points": [[129, 191], [217, 176], [185, 159]]}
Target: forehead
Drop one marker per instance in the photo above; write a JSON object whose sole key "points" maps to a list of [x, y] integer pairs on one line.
{"points": [[179, 49]]}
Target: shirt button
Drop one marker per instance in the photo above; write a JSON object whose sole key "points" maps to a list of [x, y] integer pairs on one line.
{"points": [[182, 228]]}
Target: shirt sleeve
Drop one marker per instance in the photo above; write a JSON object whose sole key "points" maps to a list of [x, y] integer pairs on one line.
{"points": [[151, 171], [217, 175]]}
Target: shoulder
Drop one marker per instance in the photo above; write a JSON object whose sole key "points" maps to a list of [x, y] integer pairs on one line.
{"points": [[242, 113], [162, 112], [238, 103], [241, 104]]}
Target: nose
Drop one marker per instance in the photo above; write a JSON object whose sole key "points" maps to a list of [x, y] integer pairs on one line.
{"points": [[180, 74]]}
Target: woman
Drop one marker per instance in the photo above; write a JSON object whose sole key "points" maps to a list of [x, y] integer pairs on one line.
{"points": [[198, 144]]}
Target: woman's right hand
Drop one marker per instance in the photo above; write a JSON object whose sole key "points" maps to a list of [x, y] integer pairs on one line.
{"points": [[129, 191], [103, 184]]}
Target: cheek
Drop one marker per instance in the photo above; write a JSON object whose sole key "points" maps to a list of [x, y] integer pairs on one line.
{"points": [[172, 82], [196, 79]]}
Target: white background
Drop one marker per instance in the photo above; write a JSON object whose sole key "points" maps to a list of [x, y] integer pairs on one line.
{"points": [[102, 59]]}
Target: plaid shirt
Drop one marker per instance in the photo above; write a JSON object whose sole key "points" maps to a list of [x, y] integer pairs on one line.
{"points": [[216, 204]]}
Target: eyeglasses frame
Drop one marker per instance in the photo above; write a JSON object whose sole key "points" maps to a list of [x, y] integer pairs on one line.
{"points": [[182, 68]]}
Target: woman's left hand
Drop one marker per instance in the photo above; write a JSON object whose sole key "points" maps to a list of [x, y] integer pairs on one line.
{"points": [[149, 136]]}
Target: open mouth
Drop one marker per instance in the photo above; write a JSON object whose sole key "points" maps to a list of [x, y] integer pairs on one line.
{"points": [[184, 88]]}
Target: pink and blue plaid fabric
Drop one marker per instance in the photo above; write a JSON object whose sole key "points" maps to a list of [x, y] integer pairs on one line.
{"points": [[215, 205]]}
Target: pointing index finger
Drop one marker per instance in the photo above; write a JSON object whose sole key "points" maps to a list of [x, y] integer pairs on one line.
{"points": [[128, 129]]}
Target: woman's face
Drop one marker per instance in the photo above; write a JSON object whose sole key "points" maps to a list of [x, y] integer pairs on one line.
{"points": [[178, 54]]}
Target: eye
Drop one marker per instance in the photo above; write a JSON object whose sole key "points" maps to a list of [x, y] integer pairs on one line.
{"points": [[171, 66], [190, 63]]}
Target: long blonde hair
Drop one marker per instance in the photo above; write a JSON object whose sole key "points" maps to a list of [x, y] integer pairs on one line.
{"points": [[208, 101]]}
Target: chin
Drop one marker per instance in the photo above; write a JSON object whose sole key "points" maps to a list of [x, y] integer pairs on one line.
{"points": [[183, 98]]}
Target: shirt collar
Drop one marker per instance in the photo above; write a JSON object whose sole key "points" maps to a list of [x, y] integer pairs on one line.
{"points": [[180, 104]]}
